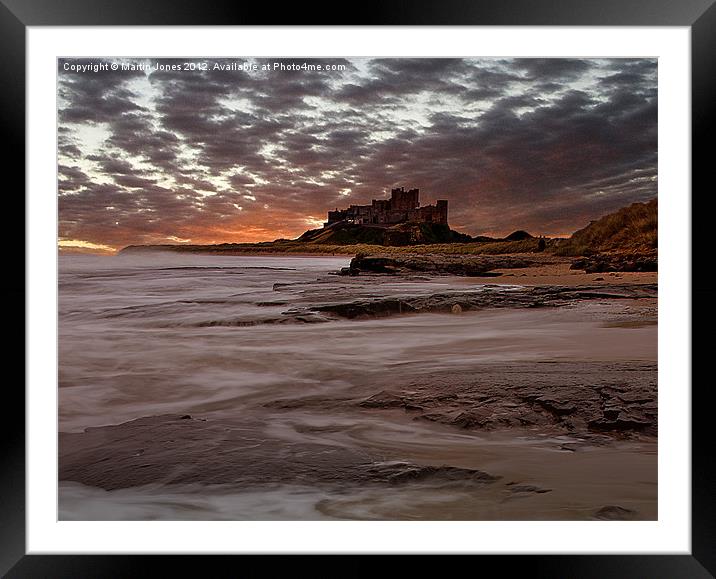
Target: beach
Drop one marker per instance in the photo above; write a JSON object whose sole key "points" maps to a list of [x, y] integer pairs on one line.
{"points": [[272, 387]]}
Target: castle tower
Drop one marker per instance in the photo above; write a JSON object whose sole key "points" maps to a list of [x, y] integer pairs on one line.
{"points": [[441, 211], [402, 200]]}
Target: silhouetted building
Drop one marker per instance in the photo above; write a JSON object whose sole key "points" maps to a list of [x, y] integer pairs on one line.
{"points": [[402, 207]]}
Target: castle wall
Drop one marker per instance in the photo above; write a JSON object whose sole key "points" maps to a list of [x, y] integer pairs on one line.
{"points": [[432, 213]]}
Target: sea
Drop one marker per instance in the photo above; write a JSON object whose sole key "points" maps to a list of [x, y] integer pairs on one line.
{"points": [[235, 340]]}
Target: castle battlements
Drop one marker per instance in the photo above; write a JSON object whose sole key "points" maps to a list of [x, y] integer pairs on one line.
{"points": [[402, 207]]}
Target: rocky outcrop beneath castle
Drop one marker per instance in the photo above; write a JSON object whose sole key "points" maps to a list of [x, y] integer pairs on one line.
{"points": [[345, 233]]}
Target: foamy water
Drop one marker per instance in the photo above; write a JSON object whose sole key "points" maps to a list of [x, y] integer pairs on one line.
{"points": [[170, 333]]}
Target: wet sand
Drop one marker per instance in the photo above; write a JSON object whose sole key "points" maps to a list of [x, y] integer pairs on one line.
{"points": [[528, 413], [515, 475]]}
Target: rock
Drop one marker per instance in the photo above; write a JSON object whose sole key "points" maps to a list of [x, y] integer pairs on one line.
{"points": [[622, 421], [612, 263], [404, 472], [528, 489], [486, 297], [569, 446], [456, 309], [368, 308], [614, 513], [580, 399], [168, 449], [557, 406], [313, 402], [464, 265], [473, 418], [384, 399]]}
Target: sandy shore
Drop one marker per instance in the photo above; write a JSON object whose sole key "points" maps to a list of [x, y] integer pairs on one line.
{"points": [[560, 274]]}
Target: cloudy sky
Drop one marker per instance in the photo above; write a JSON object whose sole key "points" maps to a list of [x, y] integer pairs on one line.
{"points": [[208, 156]]}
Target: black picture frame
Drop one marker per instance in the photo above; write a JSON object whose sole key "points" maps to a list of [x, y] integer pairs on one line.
{"points": [[699, 15]]}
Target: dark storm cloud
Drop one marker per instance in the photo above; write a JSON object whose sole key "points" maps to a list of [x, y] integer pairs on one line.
{"points": [[191, 105], [66, 145], [71, 179], [392, 78], [94, 97], [540, 144], [115, 166], [502, 170], [134, 134], [73, 174], [552, 69], [194, 183], [133, 181]]}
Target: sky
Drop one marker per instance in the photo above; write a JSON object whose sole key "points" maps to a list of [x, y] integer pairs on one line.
{"points": [[244, 150]]}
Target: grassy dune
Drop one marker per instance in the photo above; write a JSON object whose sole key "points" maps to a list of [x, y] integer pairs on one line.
{"points": [[632, 229], [297, 247]]}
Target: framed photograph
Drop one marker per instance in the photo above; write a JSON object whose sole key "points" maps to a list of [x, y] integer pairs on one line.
{"points": [[397, 286]]}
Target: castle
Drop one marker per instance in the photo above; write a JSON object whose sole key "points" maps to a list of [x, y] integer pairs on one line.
{"points": [[402, 207]]}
